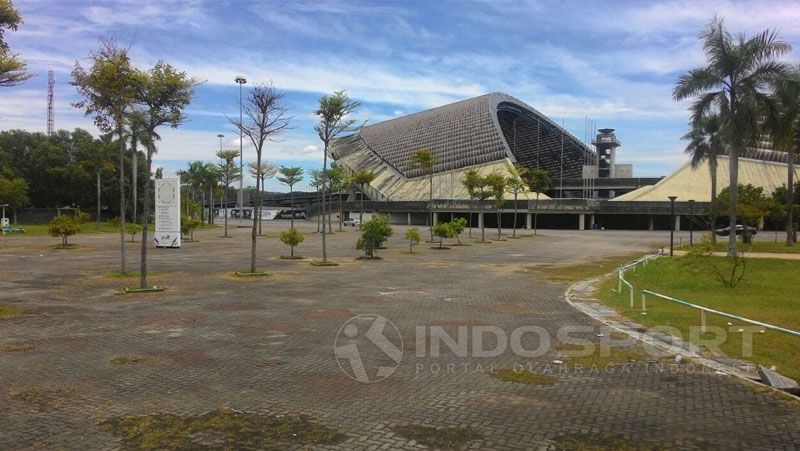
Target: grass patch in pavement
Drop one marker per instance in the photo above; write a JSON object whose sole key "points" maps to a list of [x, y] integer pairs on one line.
{"points": [[599, 442], [757, 246], [126, 360], [523, 377], [577, 272], [769, 293], [441, 438], [9, 310], [220, 429]]}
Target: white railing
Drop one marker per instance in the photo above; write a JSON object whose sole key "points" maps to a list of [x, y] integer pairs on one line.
{"points": [[704, 310], [632, 265]]}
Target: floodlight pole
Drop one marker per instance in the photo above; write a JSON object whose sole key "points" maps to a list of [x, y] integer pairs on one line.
{"points": [[240, 80], [671, 223], [691, 222]]}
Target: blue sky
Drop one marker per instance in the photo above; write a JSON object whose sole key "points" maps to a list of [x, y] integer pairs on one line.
{"points": [[615, 62]]}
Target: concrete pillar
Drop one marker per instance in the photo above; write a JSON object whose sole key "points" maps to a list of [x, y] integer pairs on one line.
{"points": [[649, 222], [435, 218], [529, 221], [409, 218], [480, 220], [591, 221], [677, 223], [581, 221]]}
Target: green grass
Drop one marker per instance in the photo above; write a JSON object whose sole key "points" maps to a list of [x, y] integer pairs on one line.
{"points": [[758, 246], [574, 273], [224, 426], [523, 377], [89, 228], [769, 293], [8, 311]]}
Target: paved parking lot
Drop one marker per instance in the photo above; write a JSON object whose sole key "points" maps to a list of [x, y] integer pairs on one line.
{"points": [[79, 353]]}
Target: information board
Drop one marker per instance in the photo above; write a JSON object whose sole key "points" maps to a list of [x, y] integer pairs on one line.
{"points": [[168, 213]]}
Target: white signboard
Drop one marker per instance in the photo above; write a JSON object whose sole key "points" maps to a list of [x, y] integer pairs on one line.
{"points": [[168, 213]]}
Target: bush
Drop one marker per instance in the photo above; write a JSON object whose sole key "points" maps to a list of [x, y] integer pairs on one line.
{"points": [[188, 226], [132, 230], [374, 233], [443, 230], [457, 226], [414, 237], [65, 226], [292, 238]]}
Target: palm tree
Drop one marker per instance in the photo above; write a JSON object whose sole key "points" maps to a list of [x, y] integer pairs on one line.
{"points": [[268, 170], [538, 182], [198, 179], [361, 178], [290, 177], [424, 160], [229, 172], [783, 124], [705, 143], [732, 83]]}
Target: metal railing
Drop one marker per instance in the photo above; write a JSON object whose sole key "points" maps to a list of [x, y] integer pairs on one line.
{"points": [[704, 310], [632, 265]]}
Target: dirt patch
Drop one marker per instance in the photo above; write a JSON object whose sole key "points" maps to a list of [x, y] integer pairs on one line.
{"points": [[600, 442], [16, 347], [44, 398], [442, 438], [126, 359]]}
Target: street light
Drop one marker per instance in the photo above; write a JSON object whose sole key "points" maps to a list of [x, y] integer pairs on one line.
{"points": [[672, 223], [220, 136], [240, 80], [691, 222]]}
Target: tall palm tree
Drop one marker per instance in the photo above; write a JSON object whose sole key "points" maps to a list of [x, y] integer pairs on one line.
{"points": [[783, 124], [290, 177], [733, 84], [424, 160], [705, 143]]}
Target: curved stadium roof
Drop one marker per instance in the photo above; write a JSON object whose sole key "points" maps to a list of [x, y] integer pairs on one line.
{"points": [[471, 132]]}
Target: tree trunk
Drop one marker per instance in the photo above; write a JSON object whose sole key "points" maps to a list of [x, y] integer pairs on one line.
{"points": [[202, 206], [97, 220], [499, 223], [330, 210], [225, 208], [734, 190], [470, 222], [430, 203], [361, 195], [122, 265], [790, 236], [324, 177], [211, 205], [536, 214], [483, 227], [134, 170], [145, 219], [514, 230], [341, 212], [260, 195], [256, 216], [291, 203], [712, 165], [319, 198]]}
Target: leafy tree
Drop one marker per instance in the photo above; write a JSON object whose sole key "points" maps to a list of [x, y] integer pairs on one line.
{"points": [[516, 184], [425, 161], [337, 178], [497, 187], [706, 143], [12, 70], [64, 226], [480, 189], [188, 225], [290, 177], [229, 172], [457, 225], [292, 238], [333, 115], [136, 132], [265, 119], [14, 192], [414, 237], [732, 83], [108, 90], [471, 181], [362, 177], [783, 125], [753, 206], [316, 182], [538, 182], [163, 92], [443, 230], [132, 229], [374, 233]]}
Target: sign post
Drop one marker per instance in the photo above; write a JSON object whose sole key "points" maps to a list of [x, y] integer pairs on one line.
{"points": [[168, 212]]}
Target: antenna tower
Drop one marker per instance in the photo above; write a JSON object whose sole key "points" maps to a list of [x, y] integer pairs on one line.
{"points": [[51, 84]]}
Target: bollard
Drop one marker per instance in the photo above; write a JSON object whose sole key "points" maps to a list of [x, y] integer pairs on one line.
{"points": [[702, 321], [644, 302]]}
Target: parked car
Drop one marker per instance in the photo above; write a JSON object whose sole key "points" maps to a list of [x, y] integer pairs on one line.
{"points": [[351, 223], [739, 230]]}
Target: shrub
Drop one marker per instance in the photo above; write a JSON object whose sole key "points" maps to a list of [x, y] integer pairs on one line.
{"points": [[65, 226], [374, 233], [414, 237], [443, 230], [292, 238], [458, 225], [132, 230], [188, 226]]}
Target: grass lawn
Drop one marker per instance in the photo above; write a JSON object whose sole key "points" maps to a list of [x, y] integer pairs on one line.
{"points": [[89, 227], [575, 273], [769, 293], [758, 246]]}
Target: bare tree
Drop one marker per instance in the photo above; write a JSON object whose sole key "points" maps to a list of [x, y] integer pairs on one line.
{"points": [[264, 118]]}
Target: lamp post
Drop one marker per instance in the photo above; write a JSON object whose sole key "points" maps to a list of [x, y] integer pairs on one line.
{"points": [[671, 223], [240, 80], [691, 222]]}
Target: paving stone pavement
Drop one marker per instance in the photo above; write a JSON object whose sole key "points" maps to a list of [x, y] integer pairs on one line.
{"points": [[267, 345]]}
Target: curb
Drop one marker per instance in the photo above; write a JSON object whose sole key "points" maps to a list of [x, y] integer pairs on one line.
{"points": [[580, 295]]}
